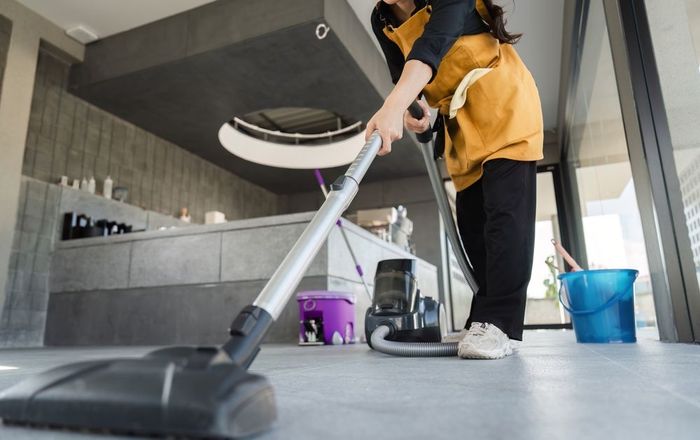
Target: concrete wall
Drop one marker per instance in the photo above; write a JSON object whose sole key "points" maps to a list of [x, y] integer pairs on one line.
{"points": [[5, 31], [28, 29], [23, 317], [68, 136]]}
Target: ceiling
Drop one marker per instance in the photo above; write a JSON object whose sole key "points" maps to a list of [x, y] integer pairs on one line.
{"points": [[293, 120], [539, 20], [108, 17], [172, 80]]}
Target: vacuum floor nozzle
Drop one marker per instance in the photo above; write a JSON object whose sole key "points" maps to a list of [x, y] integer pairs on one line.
{"points": [[172, 392]]}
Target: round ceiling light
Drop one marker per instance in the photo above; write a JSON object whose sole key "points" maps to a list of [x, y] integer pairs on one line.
{"points": [[297, 138]]}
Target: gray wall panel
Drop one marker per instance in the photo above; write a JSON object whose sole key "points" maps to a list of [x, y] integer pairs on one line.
{"points": [[89, 268], [68, 136], [192, 259], [249, 254], [39, 224], [162, 315]]}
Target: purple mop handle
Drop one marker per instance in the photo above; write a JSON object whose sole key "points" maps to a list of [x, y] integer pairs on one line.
{"points": [[319, 178]]}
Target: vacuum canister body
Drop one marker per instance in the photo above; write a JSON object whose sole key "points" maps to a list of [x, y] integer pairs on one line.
{"points": [[397, 304]]}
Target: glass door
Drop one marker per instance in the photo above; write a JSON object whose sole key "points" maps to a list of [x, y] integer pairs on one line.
{"points": [[543, 308], [597, 154]]}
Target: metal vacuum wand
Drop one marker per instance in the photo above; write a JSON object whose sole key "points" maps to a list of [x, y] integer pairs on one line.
{"points": [[251, 325], [358, 267], [426, 148], [279, 289]]}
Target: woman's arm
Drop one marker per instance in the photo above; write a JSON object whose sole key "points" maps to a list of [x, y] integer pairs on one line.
{"points": [[446, 24], [442, 30], [390, 118]]}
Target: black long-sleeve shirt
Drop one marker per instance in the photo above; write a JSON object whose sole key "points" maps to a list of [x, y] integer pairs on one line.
{"points": [[449, 20]]}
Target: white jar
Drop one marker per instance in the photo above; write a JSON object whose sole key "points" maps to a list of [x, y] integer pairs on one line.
{"points": [[107, 188]]}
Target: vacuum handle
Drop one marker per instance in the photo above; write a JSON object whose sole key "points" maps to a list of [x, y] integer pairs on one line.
{"points": [[280, 287], [252, 323], [443, 203], [417, 112]]}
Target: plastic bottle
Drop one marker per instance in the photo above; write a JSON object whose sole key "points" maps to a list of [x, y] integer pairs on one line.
{"points": [[91, 185], [84, 184], [107, 188]]}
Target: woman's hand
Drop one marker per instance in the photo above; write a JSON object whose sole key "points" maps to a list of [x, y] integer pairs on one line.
{"points": [[388, 122], [418, 125], [389, 119]]}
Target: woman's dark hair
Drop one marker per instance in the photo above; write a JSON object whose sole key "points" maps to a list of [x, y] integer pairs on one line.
{"points": [[498, 29]]}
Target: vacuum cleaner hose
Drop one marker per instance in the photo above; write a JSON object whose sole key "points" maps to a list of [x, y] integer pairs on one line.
{"points": [[410, 349]]}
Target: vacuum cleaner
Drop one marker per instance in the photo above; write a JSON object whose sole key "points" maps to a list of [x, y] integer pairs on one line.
{"points": [[400, 320], [207, 392]]}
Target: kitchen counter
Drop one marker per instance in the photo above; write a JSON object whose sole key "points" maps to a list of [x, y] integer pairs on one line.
{"points": [[185, 285]]}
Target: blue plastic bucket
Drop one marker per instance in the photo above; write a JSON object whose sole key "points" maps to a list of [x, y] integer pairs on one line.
{"points": [[601, 304]]}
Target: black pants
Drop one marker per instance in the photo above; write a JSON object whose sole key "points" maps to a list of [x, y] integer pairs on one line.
{"points": [[496, 220]]}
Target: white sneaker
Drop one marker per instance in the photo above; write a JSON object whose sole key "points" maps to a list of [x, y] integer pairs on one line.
{"points": [[484, 341]]}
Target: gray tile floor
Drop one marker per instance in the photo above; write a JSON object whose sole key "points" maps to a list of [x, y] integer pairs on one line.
{"points": [[553, 388]]}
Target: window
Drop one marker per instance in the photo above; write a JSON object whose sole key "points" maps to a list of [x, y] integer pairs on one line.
{"points": [[598, 153]]}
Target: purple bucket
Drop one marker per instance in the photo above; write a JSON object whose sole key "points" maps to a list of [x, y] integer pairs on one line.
{"points": [[326, 317]]}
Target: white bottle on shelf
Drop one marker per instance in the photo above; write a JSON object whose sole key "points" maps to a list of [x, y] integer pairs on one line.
{"points": [[91, 185], [76, 184], [107, 188], [84, 184]]}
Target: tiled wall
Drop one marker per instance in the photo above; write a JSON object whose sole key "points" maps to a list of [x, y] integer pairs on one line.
{"points": [[5, 30], [23, 317], [68, 136], [24, 313]]}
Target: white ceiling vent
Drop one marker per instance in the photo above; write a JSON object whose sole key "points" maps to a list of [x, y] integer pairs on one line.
{"points": [[82, 34]]}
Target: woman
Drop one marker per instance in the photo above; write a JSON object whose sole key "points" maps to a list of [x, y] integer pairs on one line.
{"points": [[459, 56]]}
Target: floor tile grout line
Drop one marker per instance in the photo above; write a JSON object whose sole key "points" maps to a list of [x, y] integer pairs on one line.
{"points": [[648, 379]]}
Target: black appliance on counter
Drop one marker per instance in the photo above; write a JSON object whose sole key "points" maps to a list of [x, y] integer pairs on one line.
{"points": [[81, 226]]}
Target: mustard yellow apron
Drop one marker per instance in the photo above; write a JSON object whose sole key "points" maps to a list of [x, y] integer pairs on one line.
{"points": [[502, 114]]}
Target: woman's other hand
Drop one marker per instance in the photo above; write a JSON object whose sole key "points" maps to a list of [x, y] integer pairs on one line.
{"points": [[388, 122], [418, 125]]}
